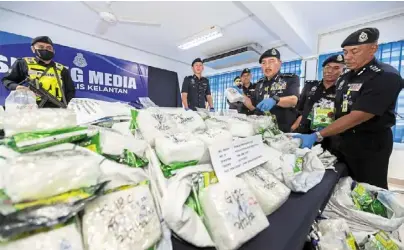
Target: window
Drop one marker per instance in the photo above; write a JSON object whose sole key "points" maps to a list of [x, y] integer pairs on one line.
{"points": [[393, 54], [219, 83]]}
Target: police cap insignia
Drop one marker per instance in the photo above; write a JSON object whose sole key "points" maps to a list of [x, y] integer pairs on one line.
{"points": [[334, 59], [270, 53], [362, 36]]}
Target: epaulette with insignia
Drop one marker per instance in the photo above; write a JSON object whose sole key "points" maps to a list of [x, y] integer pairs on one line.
{"points": [[30, 60], [311, 81], [288, 75], [375, 68]]}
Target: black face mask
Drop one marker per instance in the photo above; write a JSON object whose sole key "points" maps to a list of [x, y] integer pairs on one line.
{"points": [[44, 54]]}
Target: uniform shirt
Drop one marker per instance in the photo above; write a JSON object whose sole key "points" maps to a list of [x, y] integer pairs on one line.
{"points": [[19, 73], [197, 90], [312, 92], [374, 89], [280, 85], [249, 92]]}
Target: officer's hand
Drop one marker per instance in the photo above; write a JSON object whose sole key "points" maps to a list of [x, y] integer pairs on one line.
{"points": [[20, 87], [212, 110], [247, 102], [266, 104], [307, 140]]}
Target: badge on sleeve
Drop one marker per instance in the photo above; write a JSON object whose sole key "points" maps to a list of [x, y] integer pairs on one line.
{"points": [[354, 86]]}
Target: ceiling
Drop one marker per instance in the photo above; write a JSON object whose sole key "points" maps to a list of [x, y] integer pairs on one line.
{"points": [[295, 24]]}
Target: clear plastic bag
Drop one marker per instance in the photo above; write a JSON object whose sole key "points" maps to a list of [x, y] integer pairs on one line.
{"points": [[20, 99], [233, 95]]}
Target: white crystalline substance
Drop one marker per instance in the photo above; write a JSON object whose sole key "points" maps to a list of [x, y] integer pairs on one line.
{"points": [[238, 125], [211, 137], [153, 123], [233, 95], [275, 162], [232, 212], [123, 220], [215, 123], [284, 143], [261, 123], [270, 192], [122, 127], [37, 120], [179, 148], [65, 238], [185, 120], [39, 175]]}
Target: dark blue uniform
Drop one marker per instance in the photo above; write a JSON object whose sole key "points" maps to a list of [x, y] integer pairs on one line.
{"points": [[367, 147], [197, 90], [280, 85]]}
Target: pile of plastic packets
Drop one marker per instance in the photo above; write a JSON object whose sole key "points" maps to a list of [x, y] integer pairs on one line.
{"points": [[106, 176]]}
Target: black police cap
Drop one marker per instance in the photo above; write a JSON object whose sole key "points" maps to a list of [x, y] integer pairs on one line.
{"points": [[362, 36], [197, 60], [245, 71], [43, 39], [335, 59], [235, 78], [270, 53]]}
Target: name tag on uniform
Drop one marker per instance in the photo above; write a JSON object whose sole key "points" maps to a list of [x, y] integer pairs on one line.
{"points": [[354, 86]]}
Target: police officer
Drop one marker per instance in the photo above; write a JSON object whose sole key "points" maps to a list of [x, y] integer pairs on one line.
{"points": [[318, 91], [195, 89], [53, 76], [365, 101], [276, 92]]}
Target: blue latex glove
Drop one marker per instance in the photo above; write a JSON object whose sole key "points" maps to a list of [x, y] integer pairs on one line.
{"points": [[212, 110], [307, 139], [237, 89], [266, 104]]}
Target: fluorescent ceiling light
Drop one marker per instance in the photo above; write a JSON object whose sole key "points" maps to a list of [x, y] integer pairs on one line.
{"points": [[203, 37]]}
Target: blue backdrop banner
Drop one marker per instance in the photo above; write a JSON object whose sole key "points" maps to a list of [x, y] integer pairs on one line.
{"points": [[95, 76]]}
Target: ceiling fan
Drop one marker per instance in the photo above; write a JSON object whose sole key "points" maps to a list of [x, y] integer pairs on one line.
{"points": [[109, 19]]}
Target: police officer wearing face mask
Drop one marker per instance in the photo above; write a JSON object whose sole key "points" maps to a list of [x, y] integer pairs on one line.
{"points": [[315, 92], [365, 102], [276, 92], [53, 76], [196, 89]]}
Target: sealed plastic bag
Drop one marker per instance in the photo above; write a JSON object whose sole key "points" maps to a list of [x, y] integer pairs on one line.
{"points": [[264, 123], [216, 123], [178, 151], [366, 200], [22, 99], [233, 215], [32, 141], [283, 143], [153, 123], [336, 235], [38, 120], [124, 218], [322, 114], [233, 95], [211, 137], [65, 237], [39, 175], [341, 205], [275, 163], [180, 216], [379, 241], [268, 190], [185, 120], [237, 124]]}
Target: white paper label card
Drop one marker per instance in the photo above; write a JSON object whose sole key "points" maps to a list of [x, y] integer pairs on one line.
{"points": [[232, 159]]}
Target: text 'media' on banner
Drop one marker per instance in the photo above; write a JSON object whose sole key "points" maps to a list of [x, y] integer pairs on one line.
{"points": [[95, 76]]}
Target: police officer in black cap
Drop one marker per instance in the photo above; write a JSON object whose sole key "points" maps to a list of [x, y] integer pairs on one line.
{"points": [[195, 89], [365, 101], [54, 77], [315, 92], [276, 92]]}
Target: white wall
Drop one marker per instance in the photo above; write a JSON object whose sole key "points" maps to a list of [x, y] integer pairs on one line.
{"points": [[26, 26]]}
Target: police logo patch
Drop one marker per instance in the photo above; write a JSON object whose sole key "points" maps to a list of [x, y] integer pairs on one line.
{"points": [[341, 85], [313, 88], [339, 58], [354, 86], [273, 52], [80, 61], [363, 37], [192, 81]]}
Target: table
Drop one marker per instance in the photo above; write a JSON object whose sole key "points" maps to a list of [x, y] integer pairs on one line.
{"points": [[291, 223]]}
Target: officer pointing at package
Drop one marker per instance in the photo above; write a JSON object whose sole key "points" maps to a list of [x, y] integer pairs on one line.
{"points": [[54, 77], [316, 102], [195, 89], [276, 92], [365, 101]]}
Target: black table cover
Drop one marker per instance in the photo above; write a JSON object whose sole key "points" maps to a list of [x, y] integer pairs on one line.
{"points": [[291, 223]]}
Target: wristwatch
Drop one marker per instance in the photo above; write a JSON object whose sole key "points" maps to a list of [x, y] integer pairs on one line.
{"points": [[319, 137], [276, 98]]}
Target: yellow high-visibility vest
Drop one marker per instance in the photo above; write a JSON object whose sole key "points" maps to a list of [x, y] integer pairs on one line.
{"points": [[49, 81]]}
